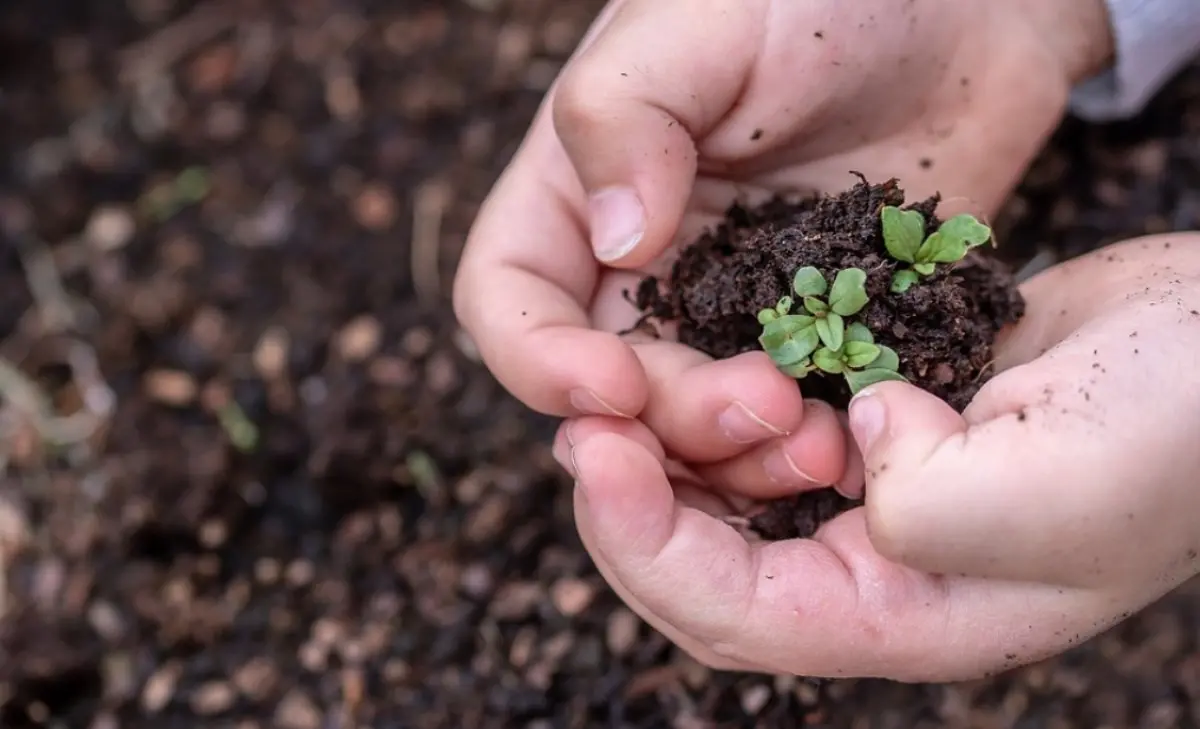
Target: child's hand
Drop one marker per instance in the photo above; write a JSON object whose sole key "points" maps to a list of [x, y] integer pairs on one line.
{"points": [[672, 108], [1062, 501]]}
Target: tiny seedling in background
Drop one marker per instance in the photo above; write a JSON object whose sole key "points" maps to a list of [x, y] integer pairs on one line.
{"points": [[819, 338], [242, 431], [166, 200], [904, 236]]}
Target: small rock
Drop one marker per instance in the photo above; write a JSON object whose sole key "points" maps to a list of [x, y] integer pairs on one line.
{"points": [[105, 721], [622, 632], [360, 338], [516, 600], [225, 122], [109, 228], [120, 680], [106, 621], [572, 596], [171, 387], [213, 697], [375, 207], [159, 689], [476, 580], [213, 533], [755, 698], [256, 679], [297, 711], [14, 529], [271, 353]]}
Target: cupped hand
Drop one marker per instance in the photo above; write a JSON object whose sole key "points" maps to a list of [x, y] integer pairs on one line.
{"points": [[1062, 500], [671, 110]]}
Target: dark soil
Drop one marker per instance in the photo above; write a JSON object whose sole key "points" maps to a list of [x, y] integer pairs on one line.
{"points": [[396, 549], [942, 328]]}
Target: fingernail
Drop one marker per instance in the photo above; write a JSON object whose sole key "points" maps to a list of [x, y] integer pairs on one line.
{"points": [[563, 449], [589, 403], [867, 419], [782, 470], [618, 222], [742, 426]]}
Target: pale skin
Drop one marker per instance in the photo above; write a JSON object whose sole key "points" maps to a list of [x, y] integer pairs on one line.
{"points": [[1057, 504]]}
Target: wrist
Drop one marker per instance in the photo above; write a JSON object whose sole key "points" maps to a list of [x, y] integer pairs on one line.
{"points": [[1078, 33]]}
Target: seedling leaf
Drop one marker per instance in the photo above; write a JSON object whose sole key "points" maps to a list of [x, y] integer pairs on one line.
{"points": [[859, 333], [903, 232], [777, 331], [799, 370], [903, 280], [859, 354], [808, 281], [784, 306], [815, 305], [832, 331], [887, 359], [859, 379], [849, 295], [940, 248], [828, 360], [924, 269], [796, 348], [766, 316], [967, 229]]}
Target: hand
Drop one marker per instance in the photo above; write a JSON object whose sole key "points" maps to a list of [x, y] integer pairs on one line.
{"points": [[1061, 501], [672, 109]]}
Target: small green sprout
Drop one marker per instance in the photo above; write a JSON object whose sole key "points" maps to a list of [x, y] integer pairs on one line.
{"points": [[789, 337], [242, 431], [904, 236], [819, 338]]}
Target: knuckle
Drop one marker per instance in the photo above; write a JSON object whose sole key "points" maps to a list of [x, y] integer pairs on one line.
{"points": [[887, 526], [581, 100]]}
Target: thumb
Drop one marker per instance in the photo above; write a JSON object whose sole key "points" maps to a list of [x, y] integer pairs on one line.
{"points": [[898, 429], [1015, 490], [630, 107]]}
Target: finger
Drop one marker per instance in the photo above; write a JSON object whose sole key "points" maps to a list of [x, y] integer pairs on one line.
{"points": [[688, 488], [824, 607], [704, 410], [522, 288], [629, 107], [812, 457], [852, 483], [1051, 455]]}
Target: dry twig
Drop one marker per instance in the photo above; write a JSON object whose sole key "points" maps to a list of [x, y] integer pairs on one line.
{"points": [[429, 207]]}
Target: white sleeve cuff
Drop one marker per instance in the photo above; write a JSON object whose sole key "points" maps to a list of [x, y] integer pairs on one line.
{"points": [[1154, 39]]}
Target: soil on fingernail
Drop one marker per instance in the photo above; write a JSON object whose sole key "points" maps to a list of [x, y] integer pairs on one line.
{"points": [[942, 328]]}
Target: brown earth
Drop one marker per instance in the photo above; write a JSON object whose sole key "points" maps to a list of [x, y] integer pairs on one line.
{"points": [[941, 328], [257, 217]]}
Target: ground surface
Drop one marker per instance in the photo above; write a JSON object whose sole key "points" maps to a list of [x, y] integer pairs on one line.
{"points": [[394, 546]]}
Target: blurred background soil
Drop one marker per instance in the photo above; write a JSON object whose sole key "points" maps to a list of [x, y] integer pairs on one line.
{"points": [[271, 485]]}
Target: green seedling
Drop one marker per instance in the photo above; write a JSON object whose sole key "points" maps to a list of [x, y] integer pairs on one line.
{"points": [[819, 338], [789, 337], [904, 236]]}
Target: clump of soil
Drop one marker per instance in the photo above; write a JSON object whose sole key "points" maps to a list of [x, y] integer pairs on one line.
{"points": [[942, 328]]}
